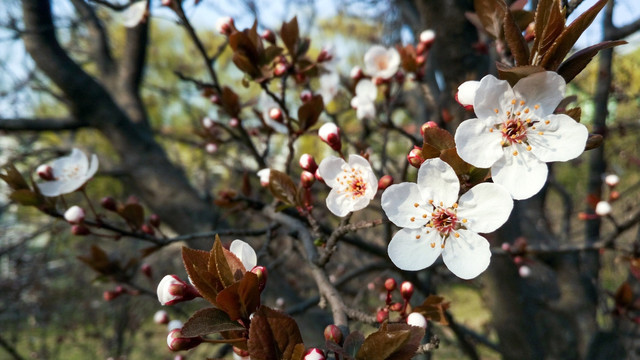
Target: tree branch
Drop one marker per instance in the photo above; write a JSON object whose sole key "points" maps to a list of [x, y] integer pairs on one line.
{"points": [[99, 42], [41, 124]]}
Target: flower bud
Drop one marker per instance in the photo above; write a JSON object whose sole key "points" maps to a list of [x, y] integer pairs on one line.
{"points": [[240, 352], [211, 148], [318, 177], [506, 247], [132, 199], [314, 354], [261, 272], [110, 295], [45, 172], [275, 114], [382, 315], [80, 230], [420, 60], [74, 215], [234, 122], [324, 56], [421, 48], [427, 125], [280, 69], [524, 271], [305, 96], [146, 270], [207, 123], [603, 208], [179, 357], [264, 177], [177, 342], [109, 203], [147, 229], [333, 333], [215, 99], [467, 93], [612, 180], [395, 306], [280, 302], [356, 73], [154, 220], [172, 289], [330, 134], [614, 195], [174, 324], [308, 163], [417, 319], [307, 179], [415, 157], [166, 2], [427, 37], [385, 182], [225, 25], [390, 284], [161, 317], [269, 36], [378, 81], [406, 290]]}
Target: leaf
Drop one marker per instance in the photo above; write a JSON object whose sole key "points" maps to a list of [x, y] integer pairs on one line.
{"points": [[523, 18], [132, 214], [26, 197], [549, 23], [310, 111], [271, 53], [433, 308], [13, 178], [491, 15], [438, 138], [282, 187], [274, 336], [578, 61], [230, 102], [290, 35], [196, 264], [574, 113], [99, 261], [218, 264], [408, 58], [594, 141], [383, 344], [515, 40], [565, 41], [352, 343], [240, 299], [208, 321], [409, 349], [514, 74]]}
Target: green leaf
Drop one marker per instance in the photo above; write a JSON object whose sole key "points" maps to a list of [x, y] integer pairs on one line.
{"points": [[13, 178], [515, 40], [208, 321], [290, 35], [282, 187], [514, 74], [274, 336], [196, 264], [310, 111], [578, 61], [491, 15], [26, 197]]}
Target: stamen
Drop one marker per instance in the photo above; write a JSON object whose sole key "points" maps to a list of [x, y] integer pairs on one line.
{"points": [[424, 216], [547, 122], [515, 153], [455, 205], [464, 221], [416, 204], [513, 102], [442, 246], [522, 102], [417, 236], [413, 219], [456, 235], [529, 148], [526, 111], [540, 133], [496, 110], [433, 245], [536, 107], [491, 130]]}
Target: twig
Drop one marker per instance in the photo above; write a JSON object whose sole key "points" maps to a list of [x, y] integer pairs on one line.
{"points": [[341, 230]]}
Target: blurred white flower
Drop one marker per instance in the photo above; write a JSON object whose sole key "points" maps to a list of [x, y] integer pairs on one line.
{"points": [[603, 208], [380, 62], [612, 180], [329, 86], [69, 173], [364, 101], [417, 319], [264, 176]]}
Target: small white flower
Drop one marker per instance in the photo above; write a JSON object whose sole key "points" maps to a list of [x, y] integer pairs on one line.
{"points": [[353, 184], [466, 93], [356, 72], [74, 214], [516, 132], [364, 101], [612, 180], [245, 253], [329, 86], [524, 271], [314, 354], [435, 221], [264, 176], [603, 208], [380, 62], [417, 319], [134, 14], [69, 174], [427, 36], [224, 25]]}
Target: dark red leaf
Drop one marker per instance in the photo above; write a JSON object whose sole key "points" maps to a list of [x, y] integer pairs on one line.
{"points": [[208, 321], [290, 35], [491, 15], [515, 40], [274, 336], [578, 61], [514, 74], [282, 187], [196, 264], [310, 111]]}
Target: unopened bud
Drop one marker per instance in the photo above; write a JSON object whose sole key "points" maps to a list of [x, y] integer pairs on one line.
{"points": [[74, 215], [172, 290], [420, 60], [356, 73], [382, 315], [280, 69], [467, 93], [240, 352], [603, 208], [45, 172], [614, 195], [121, 290], [211, 148], [417, 319], [612, 180], [179, 357], [207, 123], [275, 114], [177, 342], [264, 177], [225, 26], [80, 230], [307, 179], [215, 99], [506, 247], [146, 270], [305, 96], [524, 271], [406, 290], [262, 274], [427, 37], [280, 302], [330, 134], [132, 199], [154, 220], [421, 48], [166, 2], [415, 157], [161, 317], [308, 163], [395, 306], [314, 354], [333, 333], [147, 229], [390, 284], [427, 125], [385, 182], [234, 122], [318, 176], [378, 81], [109, 203], [269, 36], [110, 295], [324, 56]]}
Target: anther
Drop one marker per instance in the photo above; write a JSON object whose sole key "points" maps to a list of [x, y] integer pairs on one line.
{"points": [[496, 111], [537, 107], [456, 235], [416, 204], [513, 102], [417, 236], [413, 219], [529, 148], [540, 133], [522, 102], [515, 153], [547, 122], [433, 245]]}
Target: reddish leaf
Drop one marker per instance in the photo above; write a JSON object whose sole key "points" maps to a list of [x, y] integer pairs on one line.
{"points": [[522, 18], [240, 299], [408, 351], [395, 342], [574, 113], [515, 40], [408, 58], [514, 74], [438, 138], [282, 187], [433, 308], [274, 336], [218, 264], [352, 344], [491, 15], [310, 111], [290, 35], [549, 23], [99, 261], [624, 295], [230, 102], [132, 214], [196, 264], [578, 61], [594, 141], [208, 321]]}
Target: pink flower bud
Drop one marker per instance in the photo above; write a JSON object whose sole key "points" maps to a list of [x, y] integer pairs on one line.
{"points": [[280, 302], [324, 56], [269, 36], [211, 148], [378, 81], [225, 25], [306, 95], [417, 319], [146, 270], [614, 195], [308, 163], [161, 317], [395, 306], [132, 199], [603, 208], [356, 73], [177, 342], [280, 69], [45, 172], [172, 290], [207, 123], [215, 99], [330, 134], [421, 48], [415, 157], [154, 220], [524, 271], [506, 247], [427, 125], [314, 354], [262, 274], [264, 177], [307, 179], [110, 295], [318, 177], [420, 60], [240, 352], [109, 203], [147, 229], [406, 290], [385, 182], [382, 315], [427, 37], [74, 215], [390, 284], [275, 114], [612, 180], [80, 230], [179, 357], [234, 122], [333, 333]]}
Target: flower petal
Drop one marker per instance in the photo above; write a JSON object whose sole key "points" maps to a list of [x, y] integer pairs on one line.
{"points": [[245, 253], [398, 202], [561, 140], [544, 88], [329, 169], [370, 57], [467, 92], [93, 167], [476, 144], [467, 256], [366, 90], [409, 253], [485, 207], [76, 159], [523, 175], [438, 182], [340, 204], [492, 94], [50, 188]]}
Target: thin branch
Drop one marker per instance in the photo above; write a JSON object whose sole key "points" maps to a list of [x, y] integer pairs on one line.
{"points": [[99, 42], [10, 349], [41, 124], [343, 229]]}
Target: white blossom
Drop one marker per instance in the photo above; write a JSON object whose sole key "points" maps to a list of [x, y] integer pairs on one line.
{"points": [[427, 36], [329, 86], [353, 184], [434, 220], [603, 208], [74, 214], [612, 180], [380, 62], [245, 253], [417, 319], [516, 133], [263, 174], [364, 101], [69, 173]]}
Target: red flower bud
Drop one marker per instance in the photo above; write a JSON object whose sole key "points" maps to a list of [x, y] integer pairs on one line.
{"points": [[427, 125], [385, 182], [261, 272], [324, 56], [396, 306], [269, 36], [415, 157], [333, 333], [109, 203], [390, 284], [147, 229], [80, 230], [109, 295], [614, 195], [382, 315], [305, 96], [307, 179], [280, 69], [161, 317], [74, 215], [330, 134], [146, 270], [45, 172], [234, 122], [275, 114], [225, 25], [240, 352], [406, 290], [154, 220], [420, 60], [356, 73], [308, 163], [177, 342]]}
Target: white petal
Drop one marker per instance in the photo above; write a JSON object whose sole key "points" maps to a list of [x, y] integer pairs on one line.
{"points": [[366, 89], [523, 175], [93, 167], [71, 185], [358, 161], [492, 94], [76, 158], [467, 92], [467, 256], [366, 111], [398, 202], [245, 253], [329, 169], [561, 140], [544, 88], [476, 144], [50, 188], [370, 57], [438, 182], [409, 253], [485, 207], [340, 204]]}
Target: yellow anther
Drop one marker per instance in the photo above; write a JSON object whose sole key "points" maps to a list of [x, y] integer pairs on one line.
{"points": [[417, 236], [522, 102], [496, 110], [455, 205], [515, 153], [424, 216], [513, 102], [508, 113], [413, 219], [528, 121], [491, 130], [529, 148], [416, 204], [433, 245], [540, 133], [441, 204], [537, 107], [526, 111], [464, 221], [456, 235], [533, 128], [518, 113], [547, 122], [431, 202], [442, 246]]}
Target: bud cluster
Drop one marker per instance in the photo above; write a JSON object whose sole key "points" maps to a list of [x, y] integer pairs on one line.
{"points": [[405, 289]]}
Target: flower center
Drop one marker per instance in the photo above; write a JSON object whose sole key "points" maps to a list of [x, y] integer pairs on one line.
{"points": [[382, 63], [353, 183], [444, 220], [514, 129], [70, 172]]}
